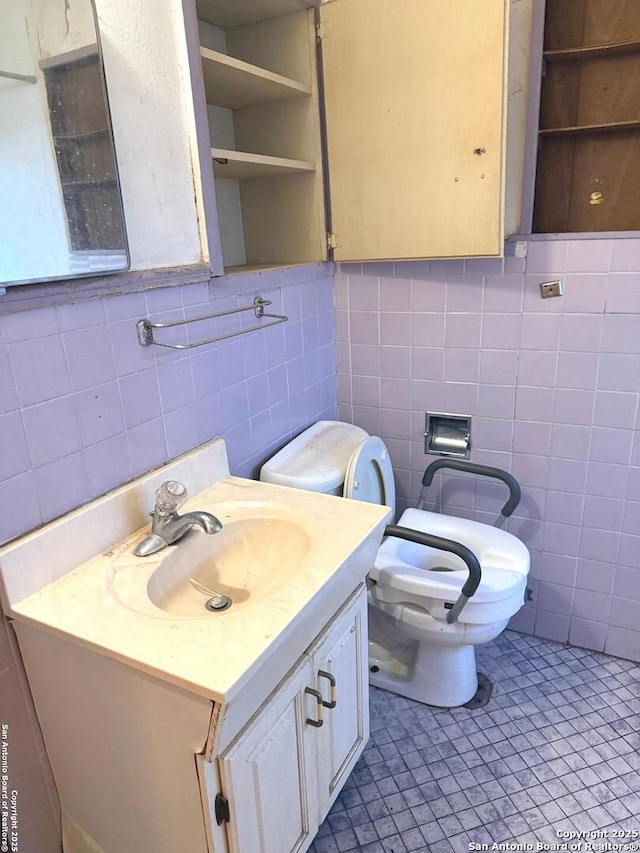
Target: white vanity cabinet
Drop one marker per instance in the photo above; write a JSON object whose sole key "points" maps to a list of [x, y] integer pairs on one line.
{"points": [[282, 773], [404, 104]]}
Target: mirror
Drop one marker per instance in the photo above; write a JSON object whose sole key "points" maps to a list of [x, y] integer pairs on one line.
{"points": [[61, 210]]}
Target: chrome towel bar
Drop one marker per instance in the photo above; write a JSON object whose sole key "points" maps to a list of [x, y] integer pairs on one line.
{"points": [[145, 327]]}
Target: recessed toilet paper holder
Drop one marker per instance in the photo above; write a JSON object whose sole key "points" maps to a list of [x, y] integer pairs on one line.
{"points": [[447, 434]]}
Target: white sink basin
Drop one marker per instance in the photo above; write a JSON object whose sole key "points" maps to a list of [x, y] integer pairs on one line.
{"points": [[257, 553], [246, 561]]}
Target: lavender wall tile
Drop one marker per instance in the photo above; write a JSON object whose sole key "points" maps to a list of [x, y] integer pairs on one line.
{"points": [[429, 295], [537, 368], [493, 434], [461, 365], [89, 356], [540, 331], [426, 330], [633, 484], [577, 370], [129, 306], [567, 475], [209, 414], [395, 329], [596, 575], [175, 384], [52, 430], [8, 395], [599, 544], [570, 441], [364, 328], [531, 470], [625, 256], [620, 334], [415, 270], [29, 325], [14, 458], [501, 331], [618, 372], [395, 294], [311, 335], [629, 553], [128, 355], [426, 396], [140, 397], [20, 506], [554, 598], [532, 301], [615, 409], [623, 296], [588, 634], [364, 294], [503, 294], [564, 507], [236, 404], [586, 294], [589, 255], [395, 393], [461, 398], [484, 266], [581, 332], [561, 538], [107, 464], [623, 642], [607, 479], [464, 293], [611, 445], [552, 626], [625, 613], [573, 406], [534, 404], [627, 583], [498, 367], [39, 370], [147, 446], [546, 256], [427, 363], [61, 486], [365, 360], [463, 330], [181, 430], [631, 521], [366, 390], [82, 315], [277, 384], [99, 413], [604, 513], [530, 437], [558, 569], [395, 361]]}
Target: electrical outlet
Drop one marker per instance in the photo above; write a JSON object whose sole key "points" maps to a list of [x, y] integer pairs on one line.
{"points": [[551, 288]]}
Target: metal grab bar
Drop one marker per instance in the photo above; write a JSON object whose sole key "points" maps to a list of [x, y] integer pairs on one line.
{"points": [[515, 492], [145, 327], [475, 573]]}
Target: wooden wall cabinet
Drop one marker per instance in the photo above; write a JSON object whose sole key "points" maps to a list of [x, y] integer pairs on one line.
{"points": [[361, 129]]}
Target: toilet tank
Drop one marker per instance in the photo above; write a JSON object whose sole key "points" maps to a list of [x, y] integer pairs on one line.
{"points": [[317, 459]]}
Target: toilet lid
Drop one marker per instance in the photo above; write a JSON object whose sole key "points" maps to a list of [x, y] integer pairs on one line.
{"points": [[369, 475]]}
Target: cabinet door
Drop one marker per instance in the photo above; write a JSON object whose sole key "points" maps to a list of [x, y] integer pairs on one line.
{"points": [[415, 98], [341, 658], [266, 775]]}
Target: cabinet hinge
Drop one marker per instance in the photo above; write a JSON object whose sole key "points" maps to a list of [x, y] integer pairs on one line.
{"points": [[332, 241], [221, 807], [321, 31]]}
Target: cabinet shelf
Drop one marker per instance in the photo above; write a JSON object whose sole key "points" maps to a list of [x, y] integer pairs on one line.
{"points": [[607, 127], [241, 166], [593, 52], [224, 13], [233, 83]]}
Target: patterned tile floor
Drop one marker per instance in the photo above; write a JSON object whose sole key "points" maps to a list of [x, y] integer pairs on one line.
{"points": [[556, 750]]}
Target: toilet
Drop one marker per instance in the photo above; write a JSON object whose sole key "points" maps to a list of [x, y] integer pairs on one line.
{"points": [[414, 650]]}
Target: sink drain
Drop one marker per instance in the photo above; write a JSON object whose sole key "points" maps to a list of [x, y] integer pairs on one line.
{"points": [[218, 603]]}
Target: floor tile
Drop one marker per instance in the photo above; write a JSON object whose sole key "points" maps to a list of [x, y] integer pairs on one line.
{"points": [[556, 748]]}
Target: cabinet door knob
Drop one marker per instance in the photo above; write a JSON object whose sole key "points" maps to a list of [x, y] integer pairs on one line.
{"points": [[322, 673], [319, 703]]}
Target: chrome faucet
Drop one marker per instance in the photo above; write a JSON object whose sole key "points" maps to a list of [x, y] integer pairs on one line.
{"points": [[168, 526]]}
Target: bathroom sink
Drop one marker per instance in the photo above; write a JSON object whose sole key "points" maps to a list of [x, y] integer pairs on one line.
{"points": [[258, 550], [245, 562]]}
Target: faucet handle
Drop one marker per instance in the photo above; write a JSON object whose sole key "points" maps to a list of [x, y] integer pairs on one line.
{"points": [[170, 497]]}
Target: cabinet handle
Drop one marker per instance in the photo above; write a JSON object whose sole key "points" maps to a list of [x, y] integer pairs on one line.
{"points": [[332, 681], [319, 703]]}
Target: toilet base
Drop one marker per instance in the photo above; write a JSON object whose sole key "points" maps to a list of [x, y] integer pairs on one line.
{"points": [[442, 676]]}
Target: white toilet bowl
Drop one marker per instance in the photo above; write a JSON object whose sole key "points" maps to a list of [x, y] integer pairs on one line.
{"points": [[413, 650]]}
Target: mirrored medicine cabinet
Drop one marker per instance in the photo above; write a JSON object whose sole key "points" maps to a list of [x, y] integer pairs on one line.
{"points": [[61, 213]]}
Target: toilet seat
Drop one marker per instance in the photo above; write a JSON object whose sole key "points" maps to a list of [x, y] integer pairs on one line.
{"points": [[369, 475], [405, 572]]}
